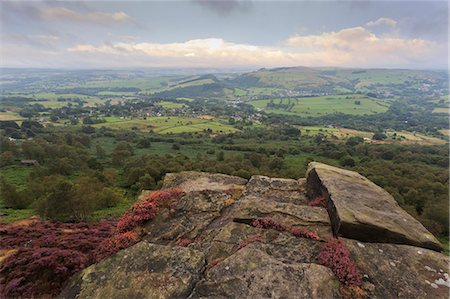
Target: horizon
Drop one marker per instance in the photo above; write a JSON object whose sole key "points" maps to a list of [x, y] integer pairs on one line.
{"points": [[222, 35]]}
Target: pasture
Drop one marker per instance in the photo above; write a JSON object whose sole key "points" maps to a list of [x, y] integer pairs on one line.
{"points": [[317, 106], [168, 124]]}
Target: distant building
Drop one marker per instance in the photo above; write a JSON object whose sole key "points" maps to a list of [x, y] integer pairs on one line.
{"points": [[29, 162]]}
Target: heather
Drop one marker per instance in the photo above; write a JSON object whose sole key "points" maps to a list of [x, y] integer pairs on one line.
{"points": [[336, 256], [269, 223], [46, 254]]}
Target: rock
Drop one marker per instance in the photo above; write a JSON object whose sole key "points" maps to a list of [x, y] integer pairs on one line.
{"points": [[226, 257], [400, 271], [196, 181], [280, 245], [144, 270], [276, 189], [188, 218], [251, 273], [361, 210], [252, 207]]}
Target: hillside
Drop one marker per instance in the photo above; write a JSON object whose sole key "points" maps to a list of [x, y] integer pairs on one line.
{"points": [[227, 237]]}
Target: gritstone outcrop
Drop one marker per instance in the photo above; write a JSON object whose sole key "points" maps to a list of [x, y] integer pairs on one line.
{"points": [[261, 239]]}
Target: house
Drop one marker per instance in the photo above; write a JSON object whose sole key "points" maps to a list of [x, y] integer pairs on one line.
{"points": [[29, 162]]}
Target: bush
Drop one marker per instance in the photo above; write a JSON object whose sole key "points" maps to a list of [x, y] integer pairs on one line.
{"points": [[146, 209], [33, 272], [336, 256], [48, 254]]}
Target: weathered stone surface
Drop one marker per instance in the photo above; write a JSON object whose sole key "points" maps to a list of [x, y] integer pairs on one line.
{"points": [[196, 181], [361, 210], [276, 189], [251, 273], [188, 218], [401, 271], [251, 207], [144, 270]]}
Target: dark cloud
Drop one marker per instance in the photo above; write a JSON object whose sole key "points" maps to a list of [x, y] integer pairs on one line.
{"points": [[225, 7], [435, 26]]}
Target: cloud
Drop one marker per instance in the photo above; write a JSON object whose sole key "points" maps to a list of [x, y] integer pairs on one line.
{"points": [[225, 7], [383, 21], [359, 46], [354, 46], [44, 37], [62, 13]]}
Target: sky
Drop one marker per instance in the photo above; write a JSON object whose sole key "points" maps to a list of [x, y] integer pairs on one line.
{"points": [[224, 34]]}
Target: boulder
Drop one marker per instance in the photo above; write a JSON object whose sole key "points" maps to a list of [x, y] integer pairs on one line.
{"points": [[361, 210], [144, 270]]}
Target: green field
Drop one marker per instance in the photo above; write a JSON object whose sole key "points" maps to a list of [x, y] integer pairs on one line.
{"points": [[167, 124], [171, 105], [9, 115], [317, 106], [441, 110]]}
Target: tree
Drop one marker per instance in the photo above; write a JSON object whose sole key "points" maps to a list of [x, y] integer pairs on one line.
{"points": [[58, 202], [11, 197], [347, 161], [220, 156], [355, 140], [147, 182], [99, 151], [379, 136]]}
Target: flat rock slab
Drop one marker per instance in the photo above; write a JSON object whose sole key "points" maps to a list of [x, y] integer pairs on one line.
{"points": [[251, 273], [197, 181], [144, 270], [277, 189], [252, 207], [361, 210], [401, 271]]}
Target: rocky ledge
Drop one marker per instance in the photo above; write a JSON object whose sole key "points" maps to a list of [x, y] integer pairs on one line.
{"points": [[270, 238]]}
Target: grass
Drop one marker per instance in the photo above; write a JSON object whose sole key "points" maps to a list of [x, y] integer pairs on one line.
{"points": [[16, 174], [9, 115], [317, 106], [113, 212], [13, 215], [171, 105], [446, 244], [441, 110], [167, 125], [402, 137]]}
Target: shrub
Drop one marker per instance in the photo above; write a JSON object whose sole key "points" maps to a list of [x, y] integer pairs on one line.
{"points": [[146, 209], [114, 244], [34, 272], [336, 256]]}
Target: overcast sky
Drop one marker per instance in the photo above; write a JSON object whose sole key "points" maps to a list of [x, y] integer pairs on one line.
{"points": [[224, 34]]}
